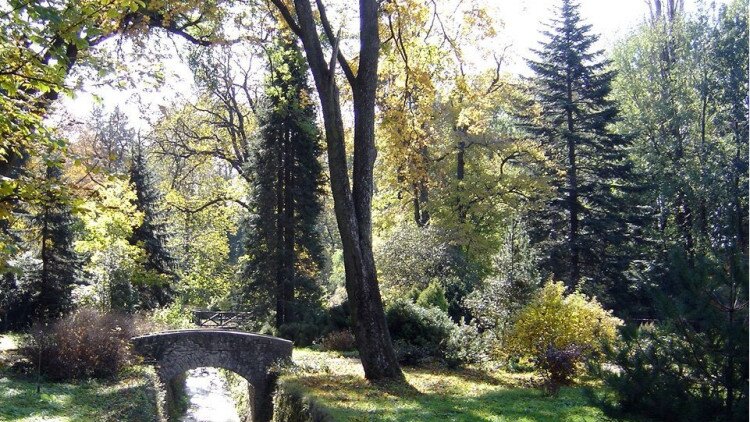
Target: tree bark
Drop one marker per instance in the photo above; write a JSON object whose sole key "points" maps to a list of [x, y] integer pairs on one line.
{"points": [[352, 202]]}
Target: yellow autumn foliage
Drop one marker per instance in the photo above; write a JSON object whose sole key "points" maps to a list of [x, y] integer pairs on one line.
{"points": [[554, 318]]}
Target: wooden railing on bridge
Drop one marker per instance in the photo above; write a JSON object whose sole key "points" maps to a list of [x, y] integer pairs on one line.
{"points": [[221, 319]]}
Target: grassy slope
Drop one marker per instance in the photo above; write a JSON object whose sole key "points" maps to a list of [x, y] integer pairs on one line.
{"points": [[130, 398], [337, 383]]}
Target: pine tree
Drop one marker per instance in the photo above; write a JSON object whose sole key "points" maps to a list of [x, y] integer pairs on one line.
{"points": [[583, 230], [283, 245], [152, 234], [60, 268]]}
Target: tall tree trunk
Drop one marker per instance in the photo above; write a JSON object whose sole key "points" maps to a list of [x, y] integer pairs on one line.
{"points": [[421, 215], [572, 188], [352, 202], [289, 239], [421, 194], [44, 274], [278, 242]]}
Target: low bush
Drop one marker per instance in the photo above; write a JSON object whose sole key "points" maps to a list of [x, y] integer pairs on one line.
{"points": [[558, 366], [418, 334], [340, 341], [84, 344], [433, 297], [338, 317], [692, 363], [558, 331], [466, 345], [291, 403], [301, 333]]}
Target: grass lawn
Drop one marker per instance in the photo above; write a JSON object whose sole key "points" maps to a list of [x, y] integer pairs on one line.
{"points": [[337, 384], [130, 398]]}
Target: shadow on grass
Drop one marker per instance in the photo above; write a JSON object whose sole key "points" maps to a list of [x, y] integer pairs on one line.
{"points": [[352, 398], [133, 399]]}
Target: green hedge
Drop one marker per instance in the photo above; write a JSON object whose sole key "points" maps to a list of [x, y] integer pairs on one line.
{"points": [[291, 404]]}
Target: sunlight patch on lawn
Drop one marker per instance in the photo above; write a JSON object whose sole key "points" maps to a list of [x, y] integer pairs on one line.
{"points": [[434, 394], [130, 398]]}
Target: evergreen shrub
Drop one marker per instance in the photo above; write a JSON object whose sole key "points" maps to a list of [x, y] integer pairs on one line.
{"points": [[418, 334], [433, 297], [301, 333]]}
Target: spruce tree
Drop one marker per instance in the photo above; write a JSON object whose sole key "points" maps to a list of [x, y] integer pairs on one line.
{"points": [[283, 243], [60, 266], [583, 229], [152, 234]]}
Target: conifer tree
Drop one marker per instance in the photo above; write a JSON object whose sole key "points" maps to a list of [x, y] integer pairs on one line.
{"points": [[152, 234], [283, 244], [60, 266], [583, 229]]}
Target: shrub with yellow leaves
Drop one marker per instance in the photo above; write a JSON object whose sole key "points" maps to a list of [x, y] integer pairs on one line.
{"points": [[556, 321]]}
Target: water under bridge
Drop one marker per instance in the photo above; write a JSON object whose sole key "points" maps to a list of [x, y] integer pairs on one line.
{"points": [[249, 355]]}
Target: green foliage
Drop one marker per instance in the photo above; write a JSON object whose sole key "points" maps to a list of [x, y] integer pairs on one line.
{"points": [[174, 316], [17, 290], [114, 264], [413, 257], [682, 86], [418, 334], [466, 345], [497, 300], [692, 363], [39, 283], [60, 265], [152, 235], [433, 297], [582, 230], [556, 319], [39, 45], [284, 251], [292, 405], [301, 333]]}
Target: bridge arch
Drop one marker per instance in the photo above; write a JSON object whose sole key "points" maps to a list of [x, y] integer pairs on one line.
{"points": [[249, 355]]}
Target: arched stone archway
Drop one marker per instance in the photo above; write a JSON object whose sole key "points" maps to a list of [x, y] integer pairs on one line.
{"points": [[247, 354]]}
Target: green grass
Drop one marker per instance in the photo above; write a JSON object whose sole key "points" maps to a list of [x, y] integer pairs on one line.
{"points": [[130, 398], [435, 394]]}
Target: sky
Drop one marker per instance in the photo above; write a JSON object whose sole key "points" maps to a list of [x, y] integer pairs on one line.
{"points": [[612, 19]]}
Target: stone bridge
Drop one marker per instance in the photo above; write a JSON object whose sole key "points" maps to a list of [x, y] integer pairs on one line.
{"points": [[249, 355]]}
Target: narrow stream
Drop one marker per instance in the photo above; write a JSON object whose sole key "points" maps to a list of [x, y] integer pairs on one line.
{"points": [[209, 397]]}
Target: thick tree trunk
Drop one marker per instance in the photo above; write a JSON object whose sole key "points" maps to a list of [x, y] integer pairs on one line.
{"points": [[352, 204]]}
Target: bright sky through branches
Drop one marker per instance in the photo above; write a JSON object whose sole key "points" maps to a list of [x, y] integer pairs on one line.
{"points": [[522, 23]]}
